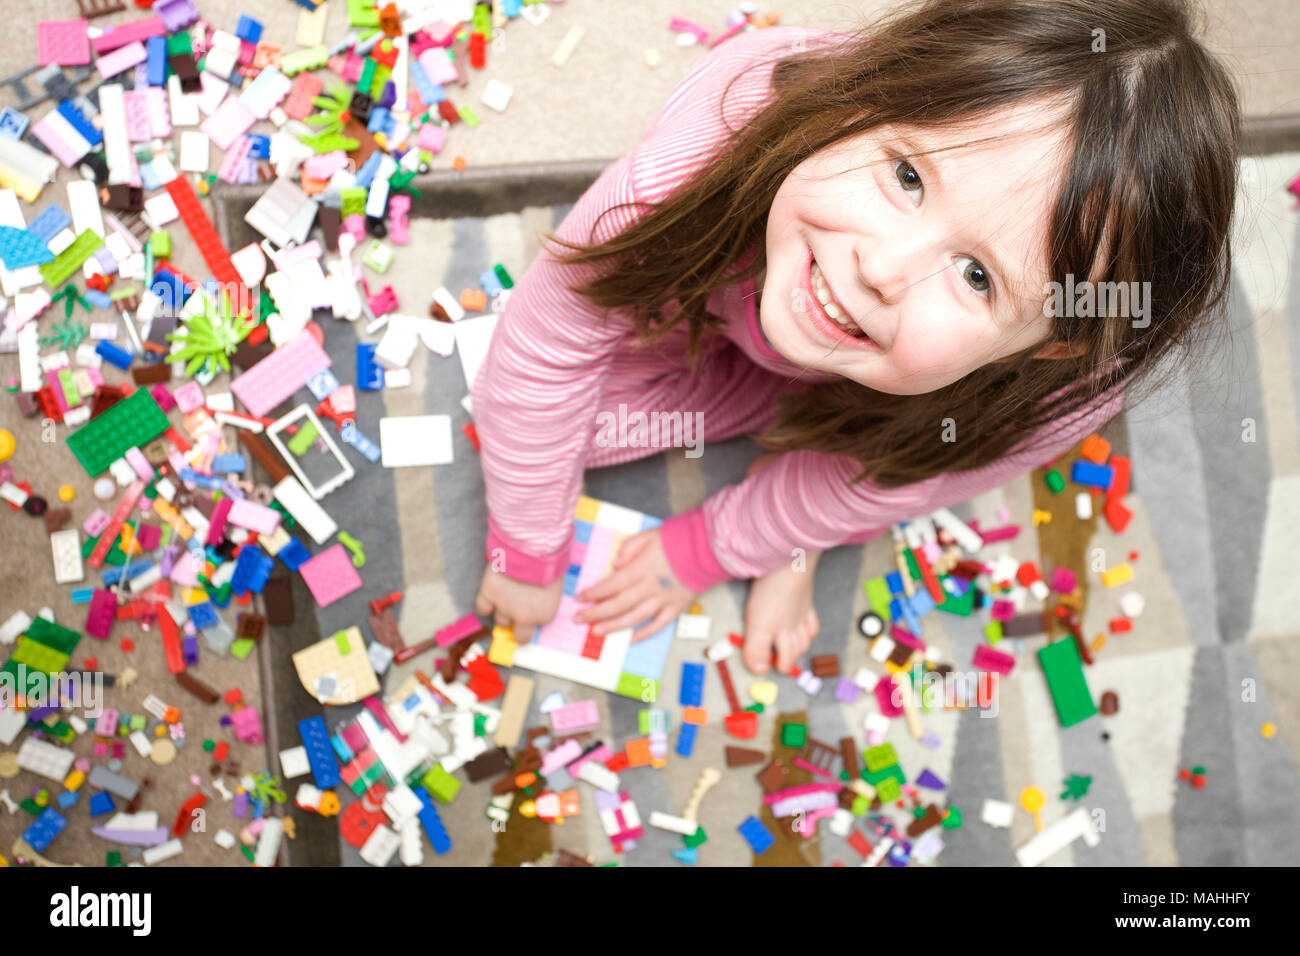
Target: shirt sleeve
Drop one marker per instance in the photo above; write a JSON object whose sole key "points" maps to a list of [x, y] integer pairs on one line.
{"points": [[807, 500], [536, 394]]}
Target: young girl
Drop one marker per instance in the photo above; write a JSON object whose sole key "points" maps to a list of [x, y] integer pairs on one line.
{"points": [[845, 244]]}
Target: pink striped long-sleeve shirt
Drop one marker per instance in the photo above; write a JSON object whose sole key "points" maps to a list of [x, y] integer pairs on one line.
{"points": [[556, 363]]}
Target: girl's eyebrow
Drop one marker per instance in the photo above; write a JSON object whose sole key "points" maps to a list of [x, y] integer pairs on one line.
{"points": [[919, 156]]}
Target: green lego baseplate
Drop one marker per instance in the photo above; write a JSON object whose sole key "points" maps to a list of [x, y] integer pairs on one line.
{"points": [[134, 421]]}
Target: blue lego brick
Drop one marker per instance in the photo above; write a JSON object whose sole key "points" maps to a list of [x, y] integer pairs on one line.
{"points": [[894, 581], [511, 8], [98, 300], [77, 119], [902, 608], [211, 482], [570, 586], [125, 572], [19, 248], [353, 436], [293, 554], [203, 615], [252, 568], [13, 124], [149, 178], [756, 835], [378, 121], [169, 287], [691, 693], [921, 602], [82, 595], [68, 799], [1092, 474], [156, 64], [259, 146], [489, 281], [425, 88], [432, 823], [323, 384], [113, 355], [366, 174], [316, 738], [341, 748], [248, 29], [686, 740], [228, 463], [51, 221], [370, 374], [42, 833], [102, 803]]}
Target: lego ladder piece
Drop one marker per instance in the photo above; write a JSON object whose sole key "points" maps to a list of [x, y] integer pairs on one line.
{"points": [[98, 8], [204, 234], [45, 75]]}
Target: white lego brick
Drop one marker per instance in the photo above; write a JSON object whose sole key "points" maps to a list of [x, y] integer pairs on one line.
{"points": [[381, 846], [1057, 837], [398, 344], [13, 494], [29, 358], [55, 361], [415, 440], [694, 627], [65, 547], [164, 851], [402, 806], [412, 848], [449, 303], [12, 722], [83, 207], [268, 843], [184, 106], [141, 743], [162, 208], [45, 759], [117, 246], [17, 623], [997, 813], [266, 91], [599, 776], [666, 821], [304, 509], [61, 240], [195, 152], [497, 95], [117, 147], [381, 657], [720, 650], [1083, 506], [224, 839]]}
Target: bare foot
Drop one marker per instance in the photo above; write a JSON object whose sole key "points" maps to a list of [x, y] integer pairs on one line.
{"points": [[779, 615]]}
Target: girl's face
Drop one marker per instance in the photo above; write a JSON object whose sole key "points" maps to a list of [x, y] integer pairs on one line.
{"points": [[932, 265]]}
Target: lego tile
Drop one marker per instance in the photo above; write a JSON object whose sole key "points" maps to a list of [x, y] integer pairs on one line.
{"points": [[280, 374], [330, 575], [64, 42]]}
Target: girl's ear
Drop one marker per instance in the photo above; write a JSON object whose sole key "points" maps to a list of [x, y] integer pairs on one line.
{"points": [[1060, 350]]}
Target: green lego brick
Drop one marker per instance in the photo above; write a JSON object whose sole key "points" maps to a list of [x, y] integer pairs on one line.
{"points": [[889, 790], [962, 606], [132, 422], [70, 393], [794, 735], [877, 777], [696, 838], [178, 44], [311, 58], [878, 596], [952, 819], [440, 784], [482, 21], [503, 276], [363, 13], [1055, 482], [644, 689], [70, 259], [469, 116], [1063, 669], [353, 199], [53, 635], [993, 631], [242, 648], [367, 76], [877, 758], [161, 244]]}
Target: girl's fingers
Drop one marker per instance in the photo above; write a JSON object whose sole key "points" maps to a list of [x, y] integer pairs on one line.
{"points": [[758, 651], [620, 603], [631, 549], [786, 652], [483, 605], [608, 586], [639, 613], [654, 627]]}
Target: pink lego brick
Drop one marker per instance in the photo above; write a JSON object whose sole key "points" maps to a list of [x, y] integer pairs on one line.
{"points": [[95, 523], [63, 42], [100, 616], [189, 397], [306, 87], [232, 166], [330, 575], [217, 526], [163, 396], [575, 718], [437, 64], [121, 60], [600, 754], [885, 698], [560, 756], [135, 458], [383, 301], [47, 131], [431, 137], [119, 36], [399, 222], [106, 722], [458, 630], [1064, 581], [245, 513], [1002, 610], [246, 725], [987, 659], [231, 120], [148, 536], [280, 374], [139, 127]]}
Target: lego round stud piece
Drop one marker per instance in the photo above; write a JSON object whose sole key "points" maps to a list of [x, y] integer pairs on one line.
{"points": [[105, 489], [67, 493], [162, 752], [870, 625], [6, 444], [1268, 730], [8, 765], [36, 506]]}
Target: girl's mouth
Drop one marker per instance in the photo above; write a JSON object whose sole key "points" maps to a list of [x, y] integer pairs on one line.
{"points": [[830, 317]]}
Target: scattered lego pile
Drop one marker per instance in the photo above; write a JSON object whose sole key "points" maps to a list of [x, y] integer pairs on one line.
{"points": [[182, 531]]}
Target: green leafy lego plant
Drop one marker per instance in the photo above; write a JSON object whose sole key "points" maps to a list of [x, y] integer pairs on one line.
{"points": [[332, 120], [210, 336]]}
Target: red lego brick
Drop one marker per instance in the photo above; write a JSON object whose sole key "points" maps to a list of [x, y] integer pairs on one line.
{"points": [[205, 235]]}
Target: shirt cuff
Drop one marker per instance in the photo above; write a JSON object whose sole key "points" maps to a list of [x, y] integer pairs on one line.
{"points": [[522, 566], [685, 540]]}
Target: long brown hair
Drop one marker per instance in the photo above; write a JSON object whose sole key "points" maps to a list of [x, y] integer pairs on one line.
{"points": [[1147, 196]]}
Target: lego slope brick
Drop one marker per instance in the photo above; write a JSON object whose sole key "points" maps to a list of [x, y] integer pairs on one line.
{"points": [[280, 374], [330, 575], [132, 422]]}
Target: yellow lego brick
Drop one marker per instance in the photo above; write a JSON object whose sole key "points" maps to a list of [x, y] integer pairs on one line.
{"points": [[587, 508], [1120, 574], [502, 649]]}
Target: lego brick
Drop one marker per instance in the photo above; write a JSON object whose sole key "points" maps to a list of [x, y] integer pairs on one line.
{"points": [[42, 833], [330, 575], [66, 550], [64, 42], [45, 759], [304, 509], [691, 693], [203, 233], [133, 421], [280, 374], [416, 440], [1063, 669], [121, 60], [71, 259]]}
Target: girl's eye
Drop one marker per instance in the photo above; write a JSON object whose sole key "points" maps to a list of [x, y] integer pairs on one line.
{"points": [[976, 277], [908, 177]]}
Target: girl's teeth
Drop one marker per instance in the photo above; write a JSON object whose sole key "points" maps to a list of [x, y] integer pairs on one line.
{"points": [[823, 293]]}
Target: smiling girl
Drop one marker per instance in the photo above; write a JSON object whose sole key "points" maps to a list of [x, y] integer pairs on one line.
{"points": [[842, 244]]}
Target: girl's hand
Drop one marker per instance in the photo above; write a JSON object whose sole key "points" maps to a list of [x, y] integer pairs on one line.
{"points": [[641, 586], [516, 604], [780, 618]]}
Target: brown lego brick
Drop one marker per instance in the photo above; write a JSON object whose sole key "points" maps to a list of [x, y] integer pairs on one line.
{"points": [[27, 404], [450, 666], [384, 628], [264, 455], [488, 764], [251, 627], [901, 655], [826, 665], [151, 374], [56, 518], [932, 818], [744, 757], [773, 777], [278, 597], [849, 751], [196, 687], [565, 858], [1023, 625], [330, 219]]}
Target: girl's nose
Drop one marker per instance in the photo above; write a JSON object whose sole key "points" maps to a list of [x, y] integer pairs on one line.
{"points": [[889, 265]]}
